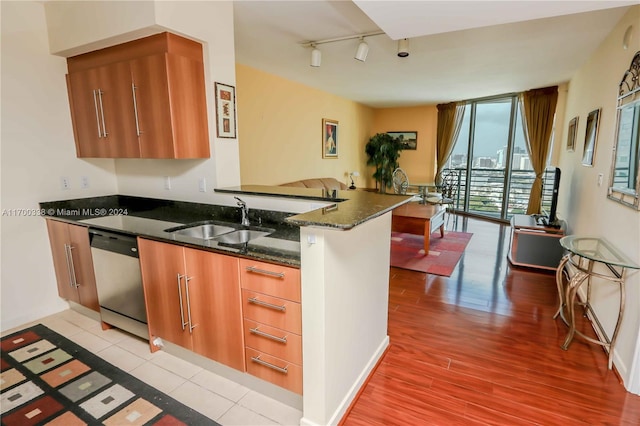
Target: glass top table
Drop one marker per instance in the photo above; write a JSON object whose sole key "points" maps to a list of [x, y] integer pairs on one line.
{"points": [[598, 250], [579, 265]]}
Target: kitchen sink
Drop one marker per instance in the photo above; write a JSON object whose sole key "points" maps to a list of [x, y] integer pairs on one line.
{"points": [[222, 232], [205, 231], [243, 235]]}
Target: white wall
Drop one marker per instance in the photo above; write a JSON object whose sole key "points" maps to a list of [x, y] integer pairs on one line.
{"points": [[585, 205], [37, 148], [345, 296]]}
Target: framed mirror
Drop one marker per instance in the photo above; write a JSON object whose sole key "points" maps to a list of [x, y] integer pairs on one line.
{"points": [[624, 181]]}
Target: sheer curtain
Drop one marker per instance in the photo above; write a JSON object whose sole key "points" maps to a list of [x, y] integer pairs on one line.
{"points": [[449, 123], [538, 111]]}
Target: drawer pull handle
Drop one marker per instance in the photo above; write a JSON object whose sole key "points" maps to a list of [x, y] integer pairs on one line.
{"points": [[281, 308], [264, 272], [283, 370], [267, 335]]}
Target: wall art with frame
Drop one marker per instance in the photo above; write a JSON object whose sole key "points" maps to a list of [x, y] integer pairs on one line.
{"points": [[225, 110], [571, 134], [409, 140], [329, 138], [590, 137]]}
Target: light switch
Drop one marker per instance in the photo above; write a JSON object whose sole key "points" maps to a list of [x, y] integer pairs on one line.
{"points": [[600, 177]]}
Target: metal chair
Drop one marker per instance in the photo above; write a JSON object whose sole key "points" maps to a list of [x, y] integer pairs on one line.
{"points": [[448, 191], [400, 181]]}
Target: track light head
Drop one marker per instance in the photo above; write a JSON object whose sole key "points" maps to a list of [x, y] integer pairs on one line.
{"points": [[362, 51], [316, 56], [403, 48]]}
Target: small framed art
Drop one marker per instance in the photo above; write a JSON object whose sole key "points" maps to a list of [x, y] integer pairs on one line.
{"points": [[409, 140], [590, 137], [225, 110], [329, 138], [571, 134]]}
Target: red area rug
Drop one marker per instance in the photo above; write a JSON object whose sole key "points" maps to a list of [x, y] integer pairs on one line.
{"points": [[407, 252]]}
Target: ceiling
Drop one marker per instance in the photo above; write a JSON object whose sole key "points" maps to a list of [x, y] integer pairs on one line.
{"points": [[458, 49]]}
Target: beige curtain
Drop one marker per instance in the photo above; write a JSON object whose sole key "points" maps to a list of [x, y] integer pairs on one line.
{"points": [[538, 110], [449, 123]]}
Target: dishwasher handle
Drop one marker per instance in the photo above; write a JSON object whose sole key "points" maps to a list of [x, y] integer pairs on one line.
{"points": [[114, 242]]}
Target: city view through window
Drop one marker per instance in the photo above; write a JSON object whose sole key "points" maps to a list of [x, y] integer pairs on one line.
{"points": [[490, 158]]}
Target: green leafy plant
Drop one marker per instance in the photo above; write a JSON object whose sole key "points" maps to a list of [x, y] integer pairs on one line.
{"points": [[383, 152]]}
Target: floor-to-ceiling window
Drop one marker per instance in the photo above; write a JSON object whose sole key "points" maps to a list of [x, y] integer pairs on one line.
{"points": [[491, 160]]}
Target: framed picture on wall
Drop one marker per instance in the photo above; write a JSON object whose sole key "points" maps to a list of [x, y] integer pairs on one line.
{"points": [[571, 134], [225, 110], [329, 138], [590, 137], [409, 140]]}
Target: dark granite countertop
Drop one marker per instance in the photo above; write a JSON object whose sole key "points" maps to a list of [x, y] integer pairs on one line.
{"points": [[348, 208], [149, 218]]}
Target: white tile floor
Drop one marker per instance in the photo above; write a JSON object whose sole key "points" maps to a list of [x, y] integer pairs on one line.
{"points": [[216, 397]]}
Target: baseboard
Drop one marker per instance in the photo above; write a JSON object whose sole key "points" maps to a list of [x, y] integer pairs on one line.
{"points": [[355, 388]]}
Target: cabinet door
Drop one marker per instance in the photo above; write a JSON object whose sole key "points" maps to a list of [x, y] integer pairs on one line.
{"points": [[117, 109], [85, 114], [188, 107], [59, 240], [82, 263], [163, 278], [149, 75], [214, 296]]}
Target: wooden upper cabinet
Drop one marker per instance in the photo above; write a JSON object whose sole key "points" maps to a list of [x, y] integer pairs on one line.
{"points": [[142, 99]]}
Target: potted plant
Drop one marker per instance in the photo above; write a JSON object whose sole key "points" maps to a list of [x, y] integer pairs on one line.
{"points": [[383, 152]]}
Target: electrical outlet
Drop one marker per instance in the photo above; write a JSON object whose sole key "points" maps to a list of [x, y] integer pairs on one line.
{"points": [[65, 183], [84, 182], [600, 177], [167, 183], [202, 185]]}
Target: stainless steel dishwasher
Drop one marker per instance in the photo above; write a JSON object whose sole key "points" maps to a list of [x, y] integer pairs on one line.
{"points": [[119, 281]]}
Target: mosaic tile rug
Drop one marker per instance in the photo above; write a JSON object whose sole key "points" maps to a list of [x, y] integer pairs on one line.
{"points": [[407, 252], [48, 379]]}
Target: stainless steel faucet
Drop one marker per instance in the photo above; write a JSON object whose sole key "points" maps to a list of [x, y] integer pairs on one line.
{"points": [[245, 212]]}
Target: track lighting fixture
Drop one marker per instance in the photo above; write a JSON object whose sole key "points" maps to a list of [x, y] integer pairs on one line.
{"points": [[316, 56], [403, 47], [362, 51]]}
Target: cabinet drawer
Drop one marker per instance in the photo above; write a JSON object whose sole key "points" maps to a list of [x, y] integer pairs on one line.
{"points": [[273, 311], [273, 341], [275, 370], [275, 280]]}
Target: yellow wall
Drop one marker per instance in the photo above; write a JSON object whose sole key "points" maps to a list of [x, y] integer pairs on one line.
{"points": [[280, 130], [419, 164]]}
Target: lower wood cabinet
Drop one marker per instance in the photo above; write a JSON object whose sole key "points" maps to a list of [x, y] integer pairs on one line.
{"points": [[272, 323], [193, 300], [73, 264]]}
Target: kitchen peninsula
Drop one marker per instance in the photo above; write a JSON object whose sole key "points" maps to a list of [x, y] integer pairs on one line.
{"points": [[343, 257]]}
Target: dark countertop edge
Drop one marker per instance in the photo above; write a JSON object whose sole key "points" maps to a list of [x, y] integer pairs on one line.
{"points": [[350, 208]]}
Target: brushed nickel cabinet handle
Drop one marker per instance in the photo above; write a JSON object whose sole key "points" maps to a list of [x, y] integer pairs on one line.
{"points": [[281, 308], [66, 256], [135, 108], [186, 286], [180, 297], [104, 127], [264, 272], [259, 332], [73, 268], [95, 104], [283, 370]]}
